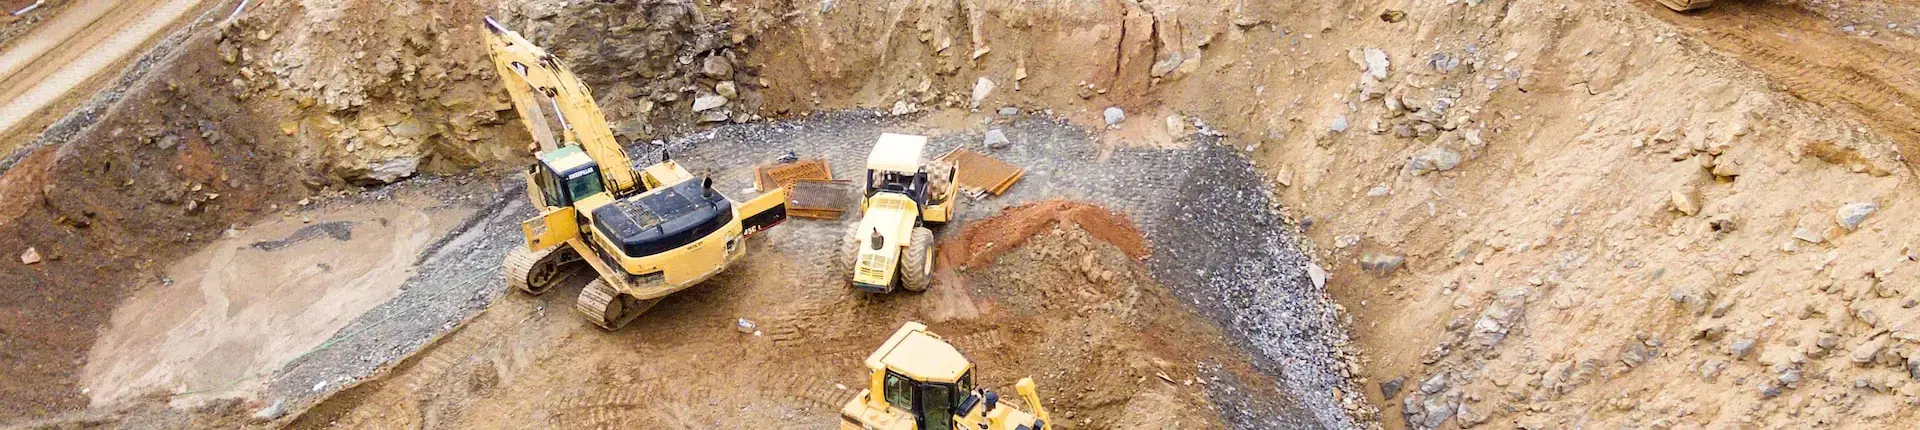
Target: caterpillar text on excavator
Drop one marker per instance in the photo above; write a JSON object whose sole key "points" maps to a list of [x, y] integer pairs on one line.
{"points": [[646, 233]]}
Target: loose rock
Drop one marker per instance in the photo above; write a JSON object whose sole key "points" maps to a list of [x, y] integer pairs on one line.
{"points": [[32, 256], [1339, 124], [1432, 160], [1392, 387], [727, 89], [708, 102], [1434, 384], [1864, 354], [1852, 214], [1317, 275], [1686, 199], [1740, 348], [717, 67], [1114, 116], [271, 412], [1376, 62], [1381, 263], [997, 139], [981, 89]]}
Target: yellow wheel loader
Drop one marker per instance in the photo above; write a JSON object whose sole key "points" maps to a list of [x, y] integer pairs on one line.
{"points": [[892, 244], [920, 382], [645, 233]]}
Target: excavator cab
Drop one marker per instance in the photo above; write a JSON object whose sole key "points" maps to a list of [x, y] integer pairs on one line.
{"points": [[566, 175], [921, 382]]}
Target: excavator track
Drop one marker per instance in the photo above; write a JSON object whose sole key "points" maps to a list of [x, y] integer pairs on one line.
{"points": [[607, 307], [535, 272]]}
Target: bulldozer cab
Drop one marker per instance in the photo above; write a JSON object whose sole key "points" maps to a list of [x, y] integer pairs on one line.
{"points": [[932, 404], [565, 176], [919, 381], [925, 377]]}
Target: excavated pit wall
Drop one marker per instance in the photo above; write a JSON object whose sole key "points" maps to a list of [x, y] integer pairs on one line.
{"points": [[1203, 209]]}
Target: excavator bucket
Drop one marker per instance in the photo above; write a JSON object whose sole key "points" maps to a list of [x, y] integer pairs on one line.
{"points": [[554, 227]]}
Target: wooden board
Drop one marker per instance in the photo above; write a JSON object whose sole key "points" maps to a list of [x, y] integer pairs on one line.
{"points": [[982, 173], [784, 174]]}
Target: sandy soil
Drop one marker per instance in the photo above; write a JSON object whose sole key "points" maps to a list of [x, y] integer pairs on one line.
{"points": [[259, 297]]}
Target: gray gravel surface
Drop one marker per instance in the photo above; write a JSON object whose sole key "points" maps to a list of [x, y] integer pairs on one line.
{"points": [[1204, 209], [457, 277]]}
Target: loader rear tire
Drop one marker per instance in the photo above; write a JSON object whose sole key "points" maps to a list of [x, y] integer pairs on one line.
{"points": [[916, 268]]}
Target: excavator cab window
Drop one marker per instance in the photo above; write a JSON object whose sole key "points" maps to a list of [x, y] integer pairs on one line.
{"points": [[583, 183], [549, 186], [567, 175]]}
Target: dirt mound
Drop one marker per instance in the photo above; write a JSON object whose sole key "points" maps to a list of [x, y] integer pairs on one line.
{"points": [[983, 241]]}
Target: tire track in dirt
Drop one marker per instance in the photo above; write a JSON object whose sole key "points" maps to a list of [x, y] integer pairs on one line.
{"points": [[1873, 80], [383, 408], [68, 56]]}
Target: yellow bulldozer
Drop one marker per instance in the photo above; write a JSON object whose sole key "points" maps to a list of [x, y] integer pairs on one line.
{"points": [[892, 245], [645, 233], [920, 382]]}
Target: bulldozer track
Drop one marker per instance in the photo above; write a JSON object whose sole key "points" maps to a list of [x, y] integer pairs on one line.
{"points": [[645, 400], [807, 389], [1874, 82]]}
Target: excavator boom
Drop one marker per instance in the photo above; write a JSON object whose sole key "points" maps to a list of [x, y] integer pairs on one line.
{"points": [[544, 91]]}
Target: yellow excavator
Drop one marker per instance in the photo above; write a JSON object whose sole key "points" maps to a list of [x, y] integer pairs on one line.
{"points": [[918, 381], [646, 233], [892, 244]]}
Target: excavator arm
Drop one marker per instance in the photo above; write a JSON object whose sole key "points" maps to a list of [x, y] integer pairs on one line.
{"points": [[545, 92]]}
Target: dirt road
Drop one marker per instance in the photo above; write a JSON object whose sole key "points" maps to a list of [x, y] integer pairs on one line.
{"points": [[94, 37], [1847, 68]]}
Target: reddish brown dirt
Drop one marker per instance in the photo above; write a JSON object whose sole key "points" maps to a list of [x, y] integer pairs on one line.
{"points": [[981, 242]]}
